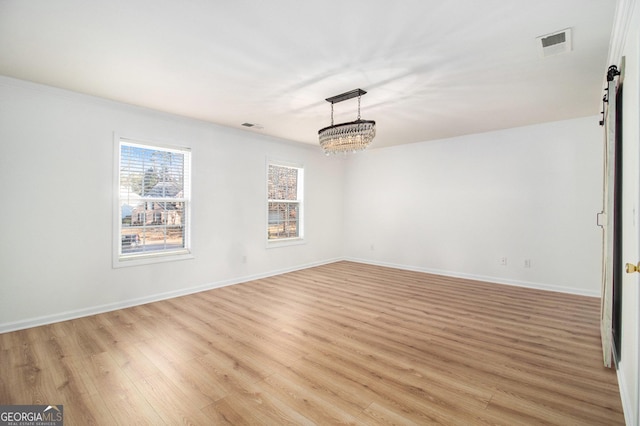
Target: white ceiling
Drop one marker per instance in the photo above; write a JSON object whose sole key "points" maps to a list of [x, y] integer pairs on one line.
{"points": [[432, 69]]}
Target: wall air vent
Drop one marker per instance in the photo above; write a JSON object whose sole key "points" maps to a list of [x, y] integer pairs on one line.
{"points": [[554, 43]]}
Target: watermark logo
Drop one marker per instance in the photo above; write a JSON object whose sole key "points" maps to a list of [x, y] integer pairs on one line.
{"points": [[31, 415]]}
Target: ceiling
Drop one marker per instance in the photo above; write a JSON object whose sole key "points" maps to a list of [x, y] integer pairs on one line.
{"points": [[432, 69]]}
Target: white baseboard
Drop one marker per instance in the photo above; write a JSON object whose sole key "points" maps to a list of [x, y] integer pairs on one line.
{"points": [[99, 309], [497, 280], [627, 402]]}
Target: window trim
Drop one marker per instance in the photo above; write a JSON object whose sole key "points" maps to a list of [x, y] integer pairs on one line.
{"points": [[149, 257], [300, 239]]}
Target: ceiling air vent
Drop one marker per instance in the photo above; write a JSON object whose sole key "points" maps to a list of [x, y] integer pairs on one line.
{"points": [[254, 125], [554, 43]]}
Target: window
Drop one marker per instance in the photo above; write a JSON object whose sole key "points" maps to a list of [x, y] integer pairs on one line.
{"points": [[153, 203], [284, 188]]}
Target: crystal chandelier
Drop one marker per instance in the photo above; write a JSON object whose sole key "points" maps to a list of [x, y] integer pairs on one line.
{"points": [[347, 137]]}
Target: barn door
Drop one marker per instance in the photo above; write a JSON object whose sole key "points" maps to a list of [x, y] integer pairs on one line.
{"points": [[607, 218]]}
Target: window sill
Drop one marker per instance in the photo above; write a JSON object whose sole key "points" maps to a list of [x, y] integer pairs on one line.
{"points": [[147, 259], [285, 242]]}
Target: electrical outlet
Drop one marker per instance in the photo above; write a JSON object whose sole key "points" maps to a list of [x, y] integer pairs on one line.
{"points": [[503, 261]]}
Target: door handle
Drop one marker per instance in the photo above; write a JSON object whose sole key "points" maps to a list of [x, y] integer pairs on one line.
{"points": [[631, 268]]}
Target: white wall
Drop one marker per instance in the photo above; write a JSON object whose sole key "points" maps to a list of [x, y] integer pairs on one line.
{"points": [[458, 206], [56, 177], [452, 206]]}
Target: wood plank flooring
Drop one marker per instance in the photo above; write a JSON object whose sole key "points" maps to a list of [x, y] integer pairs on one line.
{"points": [[340, 343]]}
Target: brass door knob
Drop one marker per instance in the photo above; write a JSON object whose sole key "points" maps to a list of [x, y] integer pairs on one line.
{"points": [[631, 268]]}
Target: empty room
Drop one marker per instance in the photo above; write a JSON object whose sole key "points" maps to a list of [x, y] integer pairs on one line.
{"points": [[316, 213]]}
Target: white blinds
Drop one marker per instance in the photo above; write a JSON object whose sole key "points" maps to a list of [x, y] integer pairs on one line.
{"points": [[154, 199]]}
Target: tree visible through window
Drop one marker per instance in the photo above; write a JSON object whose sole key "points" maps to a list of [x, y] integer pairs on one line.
{"points": [[154, 200], [285, 202]]}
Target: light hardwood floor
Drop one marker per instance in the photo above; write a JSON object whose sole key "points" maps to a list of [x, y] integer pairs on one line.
{"points": [[340, 343]]}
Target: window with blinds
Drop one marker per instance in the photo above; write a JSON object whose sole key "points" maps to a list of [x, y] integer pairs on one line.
{"points": [[285, 188], [153, 201]]}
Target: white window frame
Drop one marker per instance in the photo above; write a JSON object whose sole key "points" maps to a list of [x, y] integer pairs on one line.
{"points": [[299, 239], [121, 259]]}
